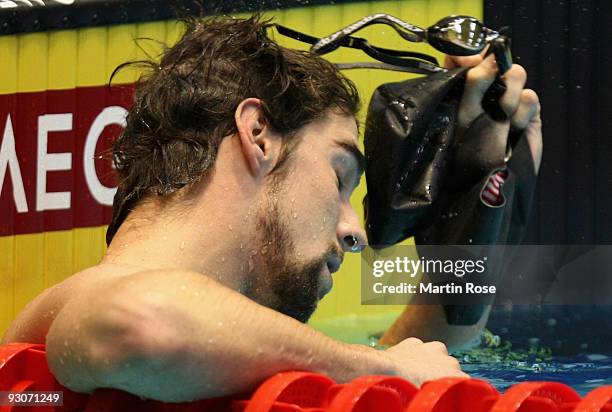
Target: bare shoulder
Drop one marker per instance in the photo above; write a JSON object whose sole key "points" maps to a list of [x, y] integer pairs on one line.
{"points": [[33, 322]]}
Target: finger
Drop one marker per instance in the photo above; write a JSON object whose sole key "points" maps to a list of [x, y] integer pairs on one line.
{"points": [[515, 80], [437, 346], [450, 62], [455, 363], [534, 139], [412, 341], [527, 118], [478, 80], [529, 106]]}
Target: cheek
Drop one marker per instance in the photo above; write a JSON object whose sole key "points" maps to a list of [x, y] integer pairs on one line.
{"points": [[314, 208]]}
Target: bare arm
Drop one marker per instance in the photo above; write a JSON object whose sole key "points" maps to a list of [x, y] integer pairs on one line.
{"points": [[180, 336], [428, 322]]}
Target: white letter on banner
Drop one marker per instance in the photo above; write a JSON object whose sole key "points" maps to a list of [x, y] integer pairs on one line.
{"points": [[110, 115], [51, 161], [9, 160]]}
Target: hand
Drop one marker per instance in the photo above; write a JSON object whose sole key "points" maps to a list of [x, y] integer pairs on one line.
{"points": [[521, 105], [419, 362]]}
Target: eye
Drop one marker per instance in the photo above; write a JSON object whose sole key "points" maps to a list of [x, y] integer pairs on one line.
{"points": [[339, 182]]}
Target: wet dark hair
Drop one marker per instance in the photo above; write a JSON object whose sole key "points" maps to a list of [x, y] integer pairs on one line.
{"points": [[185, 104]]}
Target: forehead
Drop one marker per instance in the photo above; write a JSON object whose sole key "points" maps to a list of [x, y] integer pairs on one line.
{"points": [[331, 129]]}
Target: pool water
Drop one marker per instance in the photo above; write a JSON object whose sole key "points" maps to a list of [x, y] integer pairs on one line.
{"points": [[495, 359], [583, 372]]}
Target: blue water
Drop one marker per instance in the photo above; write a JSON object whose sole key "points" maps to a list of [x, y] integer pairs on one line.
{"points": [[501, 364], [583, 372]]}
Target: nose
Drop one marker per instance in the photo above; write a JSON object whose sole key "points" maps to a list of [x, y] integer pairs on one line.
{"points": [[351, 235]]}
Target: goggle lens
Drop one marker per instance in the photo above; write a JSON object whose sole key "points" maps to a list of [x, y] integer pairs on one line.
{"points": [[458, 35]]}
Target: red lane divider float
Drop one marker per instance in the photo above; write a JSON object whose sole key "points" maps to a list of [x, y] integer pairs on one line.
{"points": [[23, 367], [455, 394]]}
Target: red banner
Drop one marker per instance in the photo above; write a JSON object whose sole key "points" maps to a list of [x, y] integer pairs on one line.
{"points": [[55, 157]]}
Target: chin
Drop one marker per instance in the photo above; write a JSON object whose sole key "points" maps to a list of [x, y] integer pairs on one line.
{"points": [[326, 282]]}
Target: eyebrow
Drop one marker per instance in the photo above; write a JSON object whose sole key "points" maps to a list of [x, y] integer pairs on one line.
{"points": [[354, 151]]}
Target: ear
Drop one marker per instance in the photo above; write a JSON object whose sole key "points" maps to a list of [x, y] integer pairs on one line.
{"points": [[260, 145]]}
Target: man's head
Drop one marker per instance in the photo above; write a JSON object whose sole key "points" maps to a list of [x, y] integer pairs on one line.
{"points": [[305, 222], [225, 88]]}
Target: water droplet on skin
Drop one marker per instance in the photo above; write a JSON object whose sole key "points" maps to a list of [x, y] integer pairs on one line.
{"points": [[196, 294], [259, 351], [182, 247], [295, 215], [211, 340], [264, 250], [314, 236], [66, 343], [222, 259], [183, 287], [324, 219], [293, 200], [220, 323], [230, 227]]}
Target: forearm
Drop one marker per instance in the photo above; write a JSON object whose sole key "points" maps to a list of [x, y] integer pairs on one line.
{"points": [[428, 322], [181, 336], [456, 325]]}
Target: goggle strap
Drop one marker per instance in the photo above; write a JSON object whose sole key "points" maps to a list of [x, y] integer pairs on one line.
{"points": [[406, 30], [417, 62], [387, 66]]}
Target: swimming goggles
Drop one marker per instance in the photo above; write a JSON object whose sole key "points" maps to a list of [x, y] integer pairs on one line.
{"points": [[454, 35]]}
